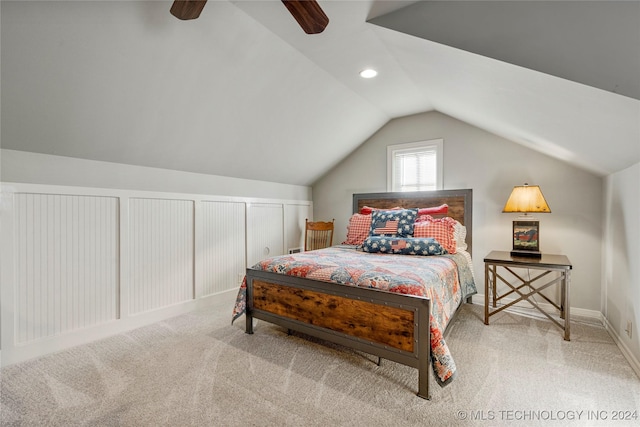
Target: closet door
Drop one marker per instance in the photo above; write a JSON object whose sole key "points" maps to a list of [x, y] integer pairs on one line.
{"points": [[265, 231]]}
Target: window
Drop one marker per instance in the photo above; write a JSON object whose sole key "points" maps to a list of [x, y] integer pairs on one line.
{"points": [[415, 166]]}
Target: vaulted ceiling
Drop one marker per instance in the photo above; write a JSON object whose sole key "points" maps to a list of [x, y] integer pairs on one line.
{"points": [[243, 92]]}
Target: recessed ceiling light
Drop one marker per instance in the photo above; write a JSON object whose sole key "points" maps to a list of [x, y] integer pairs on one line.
{"points": [[368, 73]]}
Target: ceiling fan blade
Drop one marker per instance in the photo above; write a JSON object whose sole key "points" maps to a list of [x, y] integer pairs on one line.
{"points": [[309, 15], [187, 9]]}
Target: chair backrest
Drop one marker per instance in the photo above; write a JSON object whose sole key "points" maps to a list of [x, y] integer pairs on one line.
{"points": [[318, 234]]}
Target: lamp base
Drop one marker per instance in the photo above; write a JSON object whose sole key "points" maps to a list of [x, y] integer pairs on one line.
{"points": [[527, 254]]}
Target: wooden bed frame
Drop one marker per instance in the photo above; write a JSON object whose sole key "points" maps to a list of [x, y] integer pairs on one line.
{"points": [[385, 324]]}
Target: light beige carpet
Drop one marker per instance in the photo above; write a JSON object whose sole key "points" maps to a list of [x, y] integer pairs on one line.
{"points": [[199, 370]]}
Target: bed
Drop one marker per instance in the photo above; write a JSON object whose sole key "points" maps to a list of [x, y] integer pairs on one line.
{"points": [[376, 303]]}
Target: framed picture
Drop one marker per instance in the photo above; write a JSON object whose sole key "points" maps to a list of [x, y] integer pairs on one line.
{"points": [[525, 236]]}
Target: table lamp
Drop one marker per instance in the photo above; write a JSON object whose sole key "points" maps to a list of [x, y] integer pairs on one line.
{"points": [[526, 199]]}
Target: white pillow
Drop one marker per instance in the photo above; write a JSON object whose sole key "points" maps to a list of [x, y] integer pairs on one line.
{"points": [[460, 236]]}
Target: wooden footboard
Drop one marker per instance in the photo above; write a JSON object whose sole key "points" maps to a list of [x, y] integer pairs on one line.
{"points": [[388, 325]]}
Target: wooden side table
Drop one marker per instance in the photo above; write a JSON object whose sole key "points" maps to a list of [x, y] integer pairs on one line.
{"points": [[525, 288]]}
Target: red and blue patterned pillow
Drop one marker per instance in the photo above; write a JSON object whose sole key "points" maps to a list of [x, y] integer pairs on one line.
{"points": [[397, 223], [403, 246]]}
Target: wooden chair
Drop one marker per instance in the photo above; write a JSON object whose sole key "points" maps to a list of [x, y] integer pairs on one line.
{"points": [[318, 234]]}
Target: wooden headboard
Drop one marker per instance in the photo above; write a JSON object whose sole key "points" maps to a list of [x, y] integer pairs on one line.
{"points": [[460, 204]]}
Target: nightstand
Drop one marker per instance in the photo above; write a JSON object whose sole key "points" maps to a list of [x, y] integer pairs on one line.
{"points": [[498, 262]]}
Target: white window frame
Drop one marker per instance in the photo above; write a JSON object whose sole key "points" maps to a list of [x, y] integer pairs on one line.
{"points": [[433, 144]]}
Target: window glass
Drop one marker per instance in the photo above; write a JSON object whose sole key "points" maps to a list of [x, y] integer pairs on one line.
{"points": [[415, 166]]}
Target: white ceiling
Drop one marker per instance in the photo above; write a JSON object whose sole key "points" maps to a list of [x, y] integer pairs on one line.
{"points": [[596, 43], [243, 92]]}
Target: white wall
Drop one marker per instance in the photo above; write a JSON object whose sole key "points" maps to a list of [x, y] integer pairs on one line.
{"points": [[34, 168], [491, 166], [621, 291], [80, 263]]}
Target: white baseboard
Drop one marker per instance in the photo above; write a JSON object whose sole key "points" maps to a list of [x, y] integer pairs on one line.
{"points": [[582, 315], [42, 347], [635, 365]]}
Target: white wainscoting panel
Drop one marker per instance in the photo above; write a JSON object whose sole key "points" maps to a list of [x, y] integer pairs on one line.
{"points": [[222, 252], [161, 263], [66, 260], [80, 264], [265, 231]]}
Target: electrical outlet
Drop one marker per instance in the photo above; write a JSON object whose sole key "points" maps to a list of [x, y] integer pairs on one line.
{"points": [[629, 327]]}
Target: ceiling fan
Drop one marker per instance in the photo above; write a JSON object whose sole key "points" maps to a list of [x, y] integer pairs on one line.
{"points": [[308, 13]]}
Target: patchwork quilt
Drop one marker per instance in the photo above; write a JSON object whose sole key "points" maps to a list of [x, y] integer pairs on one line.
{"points": [[445, 279]]}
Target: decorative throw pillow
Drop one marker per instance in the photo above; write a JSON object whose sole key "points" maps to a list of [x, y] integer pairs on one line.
{"points": [[366, 210], [460, 236], [357, 229], [442, 209], [441, 229], [398, 223], [402, 246]]}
